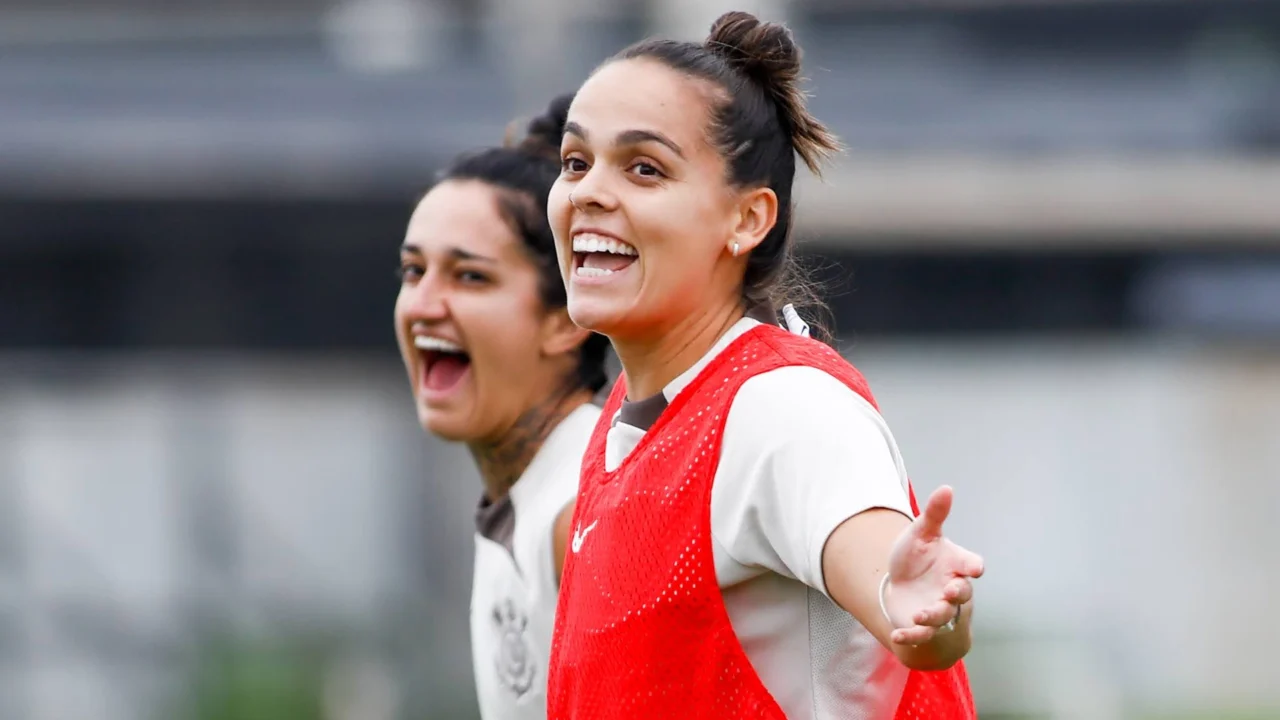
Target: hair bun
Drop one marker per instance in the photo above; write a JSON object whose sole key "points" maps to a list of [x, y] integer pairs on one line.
{"points": [[543, 134], [765, 52]]}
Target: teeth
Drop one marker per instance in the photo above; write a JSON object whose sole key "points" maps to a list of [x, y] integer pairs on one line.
{"points": [[584, 271], [590, 242], [426, 342]]}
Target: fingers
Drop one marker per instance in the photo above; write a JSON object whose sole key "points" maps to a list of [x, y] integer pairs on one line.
{"points": [[936, 510], [937, 614], [918, 635], [929, 620], [958, 591], [972, 564], [963, 563]]}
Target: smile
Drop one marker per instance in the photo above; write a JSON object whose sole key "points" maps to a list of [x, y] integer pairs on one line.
{"points": [[444, 365], [597, 256]]}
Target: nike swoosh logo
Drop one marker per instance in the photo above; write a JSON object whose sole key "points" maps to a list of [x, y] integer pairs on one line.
{"points": [[581, 534]]}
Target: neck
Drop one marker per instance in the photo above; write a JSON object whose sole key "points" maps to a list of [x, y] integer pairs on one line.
{"points": [[504, 460], [651, 364]]}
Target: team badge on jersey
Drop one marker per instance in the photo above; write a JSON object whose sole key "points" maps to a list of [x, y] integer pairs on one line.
{"points": [[514, 661]]}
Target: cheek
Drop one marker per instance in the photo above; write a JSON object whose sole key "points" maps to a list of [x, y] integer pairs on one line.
{"points": [[512, 357], [683, 243], [509, 332], [558, 216], [401, 326], [557, 200]]}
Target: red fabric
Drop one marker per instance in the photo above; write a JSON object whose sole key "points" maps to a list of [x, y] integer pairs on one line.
{"points": [[641, 628]]}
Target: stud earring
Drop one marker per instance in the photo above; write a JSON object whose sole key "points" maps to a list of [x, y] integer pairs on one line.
{"points": [[734, 250]]}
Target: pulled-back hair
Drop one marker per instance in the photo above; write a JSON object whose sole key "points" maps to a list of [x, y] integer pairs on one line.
{"points": [[523, 171], [759, 123]]}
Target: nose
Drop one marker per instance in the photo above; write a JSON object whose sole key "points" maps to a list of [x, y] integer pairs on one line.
{"points": [[426, 301], [592, 193]]}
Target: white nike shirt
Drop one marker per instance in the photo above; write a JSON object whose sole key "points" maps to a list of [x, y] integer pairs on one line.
{"points": [[514, 589], [801, 453]]}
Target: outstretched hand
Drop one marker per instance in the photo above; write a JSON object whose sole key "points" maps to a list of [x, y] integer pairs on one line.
{"points": [[929, 576]]}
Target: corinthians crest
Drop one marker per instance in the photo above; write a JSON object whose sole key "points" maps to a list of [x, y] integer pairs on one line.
{"points": [[513, 661]]}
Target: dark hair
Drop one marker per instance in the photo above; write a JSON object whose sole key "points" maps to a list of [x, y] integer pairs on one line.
{"points": [[759, 124], [523, 173]]}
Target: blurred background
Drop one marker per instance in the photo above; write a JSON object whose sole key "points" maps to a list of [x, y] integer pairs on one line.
{"points": [[1053, 247]]}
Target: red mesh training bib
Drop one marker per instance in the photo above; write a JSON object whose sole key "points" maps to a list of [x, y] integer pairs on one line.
{"points": [[641, 627]]}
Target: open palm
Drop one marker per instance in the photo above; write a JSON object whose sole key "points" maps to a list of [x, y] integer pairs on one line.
{"points": [[929, 576]]}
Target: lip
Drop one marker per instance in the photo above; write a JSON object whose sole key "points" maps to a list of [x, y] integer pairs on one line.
{"points": [[575, 232]]}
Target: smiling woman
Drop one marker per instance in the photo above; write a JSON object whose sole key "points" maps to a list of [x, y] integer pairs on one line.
{"points": [[746, 544], [494, 362]]}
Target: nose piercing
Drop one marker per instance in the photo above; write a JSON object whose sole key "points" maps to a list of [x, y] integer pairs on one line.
{"points": [[573, 202]]}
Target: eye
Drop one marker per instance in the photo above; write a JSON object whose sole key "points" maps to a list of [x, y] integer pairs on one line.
{"points": [[644, 169], [472, 277], [573, 165], [409, 272]]}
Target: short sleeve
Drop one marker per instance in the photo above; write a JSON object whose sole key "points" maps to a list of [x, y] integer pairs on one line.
{"points": [[801, 454]]}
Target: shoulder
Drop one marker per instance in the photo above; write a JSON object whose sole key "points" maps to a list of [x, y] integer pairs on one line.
{"points": [[801, 399], [562, 451], [798, 426], [576, 430], [551, 480], [801, 452]]}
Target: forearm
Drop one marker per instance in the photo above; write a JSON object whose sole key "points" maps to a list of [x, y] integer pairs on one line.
{"points": [[855, 561]]}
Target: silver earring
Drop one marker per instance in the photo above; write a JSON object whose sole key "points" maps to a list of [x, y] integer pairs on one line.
{"points": [[735, 248]]}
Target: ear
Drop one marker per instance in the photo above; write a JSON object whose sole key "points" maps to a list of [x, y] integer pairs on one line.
{"points": [[560, 335], [757, 214]]}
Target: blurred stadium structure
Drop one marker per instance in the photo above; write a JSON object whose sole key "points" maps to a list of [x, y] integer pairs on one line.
{"points": [[1055, 245]]}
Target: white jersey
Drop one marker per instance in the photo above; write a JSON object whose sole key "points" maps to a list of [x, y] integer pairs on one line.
{"points": [[514, 589], [800, 454]]}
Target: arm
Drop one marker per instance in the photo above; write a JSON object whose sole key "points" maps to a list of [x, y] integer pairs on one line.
{"points": [[811, 486], [560, 537], [929, 579]]}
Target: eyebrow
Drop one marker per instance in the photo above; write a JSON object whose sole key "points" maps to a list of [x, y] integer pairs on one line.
{"points": [[630, 137], [456, 253]]}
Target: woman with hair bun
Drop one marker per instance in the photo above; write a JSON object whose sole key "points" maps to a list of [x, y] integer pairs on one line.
{"points": [[495, 362], [746, 543]]}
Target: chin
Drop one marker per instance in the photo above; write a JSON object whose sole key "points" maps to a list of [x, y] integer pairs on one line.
{"points": [[444, 425], [594, 315]]}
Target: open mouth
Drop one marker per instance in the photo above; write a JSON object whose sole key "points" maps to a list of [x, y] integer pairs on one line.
{"points": [[598, 256], [444, 363]]}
